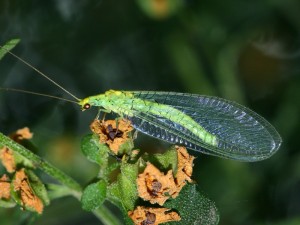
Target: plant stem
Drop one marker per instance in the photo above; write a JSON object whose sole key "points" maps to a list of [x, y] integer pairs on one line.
{"points": [[102, 213], [106, 217], [42, 164]]}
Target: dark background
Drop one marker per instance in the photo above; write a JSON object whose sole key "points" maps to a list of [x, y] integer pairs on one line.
{"points": [[246, 51]]}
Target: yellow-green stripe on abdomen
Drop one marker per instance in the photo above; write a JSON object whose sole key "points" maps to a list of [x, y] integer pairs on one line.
{"points": [[175, 116]]}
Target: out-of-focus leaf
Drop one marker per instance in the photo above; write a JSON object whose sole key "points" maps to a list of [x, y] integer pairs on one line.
{"points": [[291, 221], [7, 203], [160, 9], [8, 46]]}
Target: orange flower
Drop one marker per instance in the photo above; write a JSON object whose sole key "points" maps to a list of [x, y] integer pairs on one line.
{"points": [[184, 167], [157, 187], [27, 195], [8, 160], [21, 134], [154, 216], [4, 187], [113, 133], [6, 155]]}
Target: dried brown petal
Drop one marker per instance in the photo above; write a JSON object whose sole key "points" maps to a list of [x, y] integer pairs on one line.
{"points": [[113, 133], [4, 187], [6, 154], [28, 197], [184, 167], [21, 134], [155, 186], [154, 216], [8, 160]]}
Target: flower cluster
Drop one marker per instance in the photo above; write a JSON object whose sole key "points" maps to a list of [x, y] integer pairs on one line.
{"points": [[19, 184]]}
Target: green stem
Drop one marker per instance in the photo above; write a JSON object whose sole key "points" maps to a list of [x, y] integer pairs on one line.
{"points": [[42, 164], [102, 213], [106, 217]]}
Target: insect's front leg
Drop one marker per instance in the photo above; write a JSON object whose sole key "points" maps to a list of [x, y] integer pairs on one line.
{"points": [[102, 110], [117, 121]]}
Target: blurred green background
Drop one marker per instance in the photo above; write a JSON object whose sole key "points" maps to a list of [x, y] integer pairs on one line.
{"points": [[246, 51]]}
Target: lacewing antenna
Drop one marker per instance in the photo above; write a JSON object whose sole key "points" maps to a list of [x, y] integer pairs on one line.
{"points": [[41, 74]]}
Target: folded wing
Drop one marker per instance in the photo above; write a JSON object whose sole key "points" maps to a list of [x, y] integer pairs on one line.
{"points": [[242, 134]]}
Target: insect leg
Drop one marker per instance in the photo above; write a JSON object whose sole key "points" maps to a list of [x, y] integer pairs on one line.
{"points": [[103, 118], [99, 112], [135, 134], [117, 122]]}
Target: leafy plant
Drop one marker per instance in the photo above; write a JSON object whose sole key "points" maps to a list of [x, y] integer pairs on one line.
{"points": [[148, 189]]}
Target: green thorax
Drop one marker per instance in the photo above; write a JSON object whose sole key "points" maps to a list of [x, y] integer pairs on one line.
{"points": [[119, 102]]}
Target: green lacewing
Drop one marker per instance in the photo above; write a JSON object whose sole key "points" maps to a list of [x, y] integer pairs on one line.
{"points": [[206, 124]]}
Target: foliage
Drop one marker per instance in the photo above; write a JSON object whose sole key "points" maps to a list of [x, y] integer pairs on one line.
{"points": [[27, 190], [247, 51]]}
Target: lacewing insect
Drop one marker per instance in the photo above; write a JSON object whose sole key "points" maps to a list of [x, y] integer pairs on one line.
{"points": [[206, 124]]}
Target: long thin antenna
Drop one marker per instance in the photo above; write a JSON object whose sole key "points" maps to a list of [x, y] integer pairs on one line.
{"points": [[36, 93], [41, 73]]}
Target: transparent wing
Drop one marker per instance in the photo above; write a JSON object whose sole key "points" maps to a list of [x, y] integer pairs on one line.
{"points": [[242, 134]]}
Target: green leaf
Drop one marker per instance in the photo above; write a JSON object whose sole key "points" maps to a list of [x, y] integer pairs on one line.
{"points": [[7, 203], [94, 195], [15, 194], [112, 167], [22, 161], [166, 161], [8, 46], [94, 151], [288, 221], [194, 207], [127, 219], [123, 192], [126, 147], [38, 187]]}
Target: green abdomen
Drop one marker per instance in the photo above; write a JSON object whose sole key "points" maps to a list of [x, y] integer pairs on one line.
{"points": [[125, 104], [174, 115]]}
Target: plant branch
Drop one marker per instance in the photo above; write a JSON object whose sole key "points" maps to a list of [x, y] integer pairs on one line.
{"points": [[42, 164], [106, 217]]}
